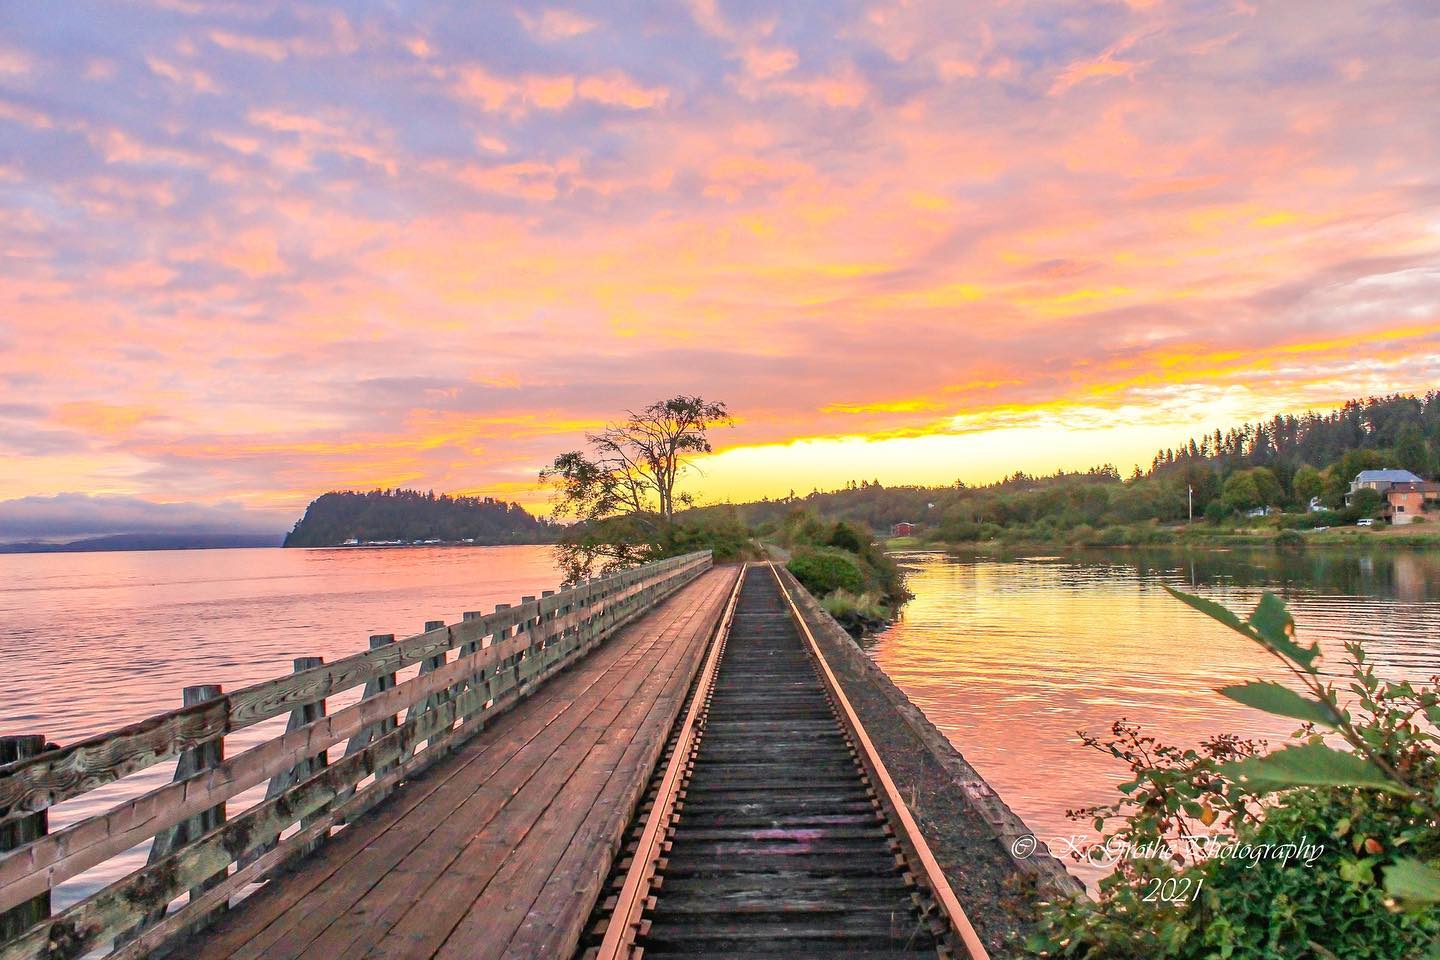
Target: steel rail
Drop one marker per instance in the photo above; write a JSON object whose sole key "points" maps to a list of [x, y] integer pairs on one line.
{"points": [[934, 877], [622, 927]]}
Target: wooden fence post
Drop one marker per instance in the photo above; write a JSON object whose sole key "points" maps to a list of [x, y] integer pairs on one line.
{"points": [[502, 675], [430, 665], [304, 714], [529, 656], [374, 687], [192, 761], [19, 832], [551, 640], [475, 681]]}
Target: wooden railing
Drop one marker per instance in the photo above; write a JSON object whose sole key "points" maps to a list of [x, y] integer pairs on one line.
{"points": [[499, 658]]}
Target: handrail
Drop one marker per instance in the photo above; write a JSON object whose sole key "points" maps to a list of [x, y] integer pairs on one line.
{"points": [[33, 784], [934, 877], [501, 658]]}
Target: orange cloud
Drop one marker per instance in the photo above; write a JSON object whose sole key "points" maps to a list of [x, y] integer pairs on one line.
{"points": [[102, 419], [884, 245]]}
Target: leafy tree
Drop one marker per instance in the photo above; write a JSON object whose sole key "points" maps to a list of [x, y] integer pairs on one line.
{"points": [[1365, 503], [622, 491], [1271, 492], [1307, 484], [1241, 492], [1411, 451]]}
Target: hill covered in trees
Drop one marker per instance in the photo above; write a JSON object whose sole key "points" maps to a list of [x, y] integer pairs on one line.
{"points": [[410, 516], [1282, 462]]}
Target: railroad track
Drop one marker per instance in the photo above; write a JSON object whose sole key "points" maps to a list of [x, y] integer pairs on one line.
{"points": [[771, 827]]}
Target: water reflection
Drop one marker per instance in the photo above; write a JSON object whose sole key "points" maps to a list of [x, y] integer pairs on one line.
{"points": [[94, 641], [108, 638], [1011, 655]]}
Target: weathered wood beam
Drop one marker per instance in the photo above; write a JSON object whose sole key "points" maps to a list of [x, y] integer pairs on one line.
{"points": [[123, 904], [19, 832]]}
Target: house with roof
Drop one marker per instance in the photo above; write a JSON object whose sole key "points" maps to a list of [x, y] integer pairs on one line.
{"points": [[1379, 481], [1405, 502], [1403, 495]]}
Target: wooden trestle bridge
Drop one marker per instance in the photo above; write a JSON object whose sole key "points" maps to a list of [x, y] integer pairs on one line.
{"points": [[657, 762]]}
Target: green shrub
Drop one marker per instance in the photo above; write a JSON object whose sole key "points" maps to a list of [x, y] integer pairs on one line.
{"points": [[1366, 803], [846, 537], [827, 569], [725, 535], [1289, 540]]}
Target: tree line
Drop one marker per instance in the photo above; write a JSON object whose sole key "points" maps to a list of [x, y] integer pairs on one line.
{"points": [[1283, 462]]}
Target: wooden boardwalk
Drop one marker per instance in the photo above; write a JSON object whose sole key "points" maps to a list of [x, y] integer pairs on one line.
{"points": [[469, 802], [499, 851]]}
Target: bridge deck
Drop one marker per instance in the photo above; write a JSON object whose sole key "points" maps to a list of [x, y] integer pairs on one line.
{"points": [[499, 851]]}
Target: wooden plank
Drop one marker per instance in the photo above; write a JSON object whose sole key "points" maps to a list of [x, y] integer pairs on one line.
{"points": [[377, 874], [548, 892], [270, 914], [121, 904], [203, 792], [32, 785], [455, 845], [65, 853], [460, 877], [552, 926]]}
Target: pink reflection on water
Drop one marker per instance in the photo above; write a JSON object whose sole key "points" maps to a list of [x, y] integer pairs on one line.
{"points": [[104, 639], [1010, 657]]}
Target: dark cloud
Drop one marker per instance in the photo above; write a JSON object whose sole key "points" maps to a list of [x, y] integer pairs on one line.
{"points": [[79, 515]]}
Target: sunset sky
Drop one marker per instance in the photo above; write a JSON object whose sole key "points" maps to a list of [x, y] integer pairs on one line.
{"points": [[253, 251]]}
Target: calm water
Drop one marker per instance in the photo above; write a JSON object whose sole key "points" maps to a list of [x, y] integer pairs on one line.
{"points": [[1011, 656], [1008, 656], [95, 640]]}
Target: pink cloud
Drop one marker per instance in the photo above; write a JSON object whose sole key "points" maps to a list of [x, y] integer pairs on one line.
{"points": [[379, 249]]}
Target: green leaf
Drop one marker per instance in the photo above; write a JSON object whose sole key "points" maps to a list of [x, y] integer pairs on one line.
{"points": [[1270, 625], [1282, 701], [1310, 764], [1273, 626], [1412, 880]]}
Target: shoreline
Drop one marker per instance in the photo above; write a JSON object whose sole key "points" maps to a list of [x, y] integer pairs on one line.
{"points": [[1349, 537]]}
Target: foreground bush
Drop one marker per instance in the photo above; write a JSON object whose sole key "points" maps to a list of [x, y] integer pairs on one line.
{"points": [[1367, 810]]}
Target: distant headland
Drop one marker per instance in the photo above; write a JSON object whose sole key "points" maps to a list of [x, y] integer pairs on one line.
{"points": [[413, 518]]}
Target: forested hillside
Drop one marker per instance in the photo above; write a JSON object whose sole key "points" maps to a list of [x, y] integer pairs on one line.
{"points": [[409, 515], [1282, 462]]}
